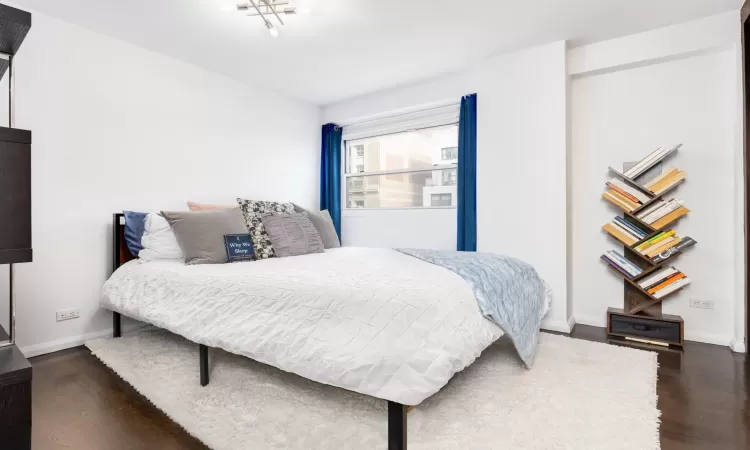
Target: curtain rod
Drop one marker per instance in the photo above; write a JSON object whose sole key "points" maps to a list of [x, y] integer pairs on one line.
{"points": [[451, 105]]}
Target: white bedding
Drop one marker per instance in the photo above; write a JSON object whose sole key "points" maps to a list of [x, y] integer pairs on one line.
{"points": [[373, 321]]}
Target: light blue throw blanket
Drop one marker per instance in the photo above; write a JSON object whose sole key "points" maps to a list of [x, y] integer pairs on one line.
{"points": [[509, 292]]}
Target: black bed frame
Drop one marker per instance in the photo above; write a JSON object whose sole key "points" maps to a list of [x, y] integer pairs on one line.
{"points": [[120, 255]]}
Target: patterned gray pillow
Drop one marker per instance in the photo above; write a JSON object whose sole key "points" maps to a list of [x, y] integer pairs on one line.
{"points": [[252, 210], [292, 234]]}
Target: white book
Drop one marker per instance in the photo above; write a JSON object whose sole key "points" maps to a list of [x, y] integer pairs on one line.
{"points": [[651, 156], [623, 263], [625, 230], [650, 209], [663, 273], [671, 288], [671, 205], [654, 161], [643, 198]]}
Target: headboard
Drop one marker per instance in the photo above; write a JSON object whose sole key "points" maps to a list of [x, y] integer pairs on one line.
{"points": [[120, 252]]}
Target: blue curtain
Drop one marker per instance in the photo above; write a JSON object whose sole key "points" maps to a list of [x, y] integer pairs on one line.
{"points": [[467, 175], [330, 174]]}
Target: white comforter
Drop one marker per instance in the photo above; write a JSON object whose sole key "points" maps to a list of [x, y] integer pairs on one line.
{"points": [[374, 321]]}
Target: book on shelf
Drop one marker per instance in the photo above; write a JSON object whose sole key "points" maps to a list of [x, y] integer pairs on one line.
{"points": [[616, 267], [665, 209], [663, 246], [654, 240], [671, 288], [653, 279], [619, 261], [673, 279], [675, 176], [616, 201], [684, 243], [621, 200], [649, 161], [669, 218], [653, 207], [634, 230], [627, 190], [617, 234], [619, 227]]}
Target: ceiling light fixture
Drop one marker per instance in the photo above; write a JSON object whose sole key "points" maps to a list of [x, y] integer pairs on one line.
{"points": [[269, 10]]}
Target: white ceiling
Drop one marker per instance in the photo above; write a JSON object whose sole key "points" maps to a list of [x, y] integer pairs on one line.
{"points": [[346, 48]]}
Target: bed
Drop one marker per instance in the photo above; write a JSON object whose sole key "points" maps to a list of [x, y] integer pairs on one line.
{"points": [[375, 321]]}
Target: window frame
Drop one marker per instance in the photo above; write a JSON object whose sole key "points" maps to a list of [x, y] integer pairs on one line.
{"points": [[346, 174]]}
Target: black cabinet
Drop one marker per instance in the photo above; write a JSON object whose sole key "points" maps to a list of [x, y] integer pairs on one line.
{"points": [[15, 400], [15, 196]]}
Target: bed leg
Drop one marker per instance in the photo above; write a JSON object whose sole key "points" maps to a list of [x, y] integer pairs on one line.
{"points": [[116, 324], [396, 426], [203, 350]]}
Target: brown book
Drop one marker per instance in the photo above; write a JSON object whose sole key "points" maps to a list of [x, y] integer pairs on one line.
{"points": [[633, 205], [619, 235], [615, 201], [627, 195], [671, 217]]}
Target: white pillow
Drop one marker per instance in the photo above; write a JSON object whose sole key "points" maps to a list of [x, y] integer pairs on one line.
{"points": [[159, 241]]}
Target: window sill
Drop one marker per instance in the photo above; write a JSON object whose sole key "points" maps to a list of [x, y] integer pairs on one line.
{"points": [[357, 211]]}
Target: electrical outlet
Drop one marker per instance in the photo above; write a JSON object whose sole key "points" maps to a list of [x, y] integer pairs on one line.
{"points": [[68, 314], [701, 304]]}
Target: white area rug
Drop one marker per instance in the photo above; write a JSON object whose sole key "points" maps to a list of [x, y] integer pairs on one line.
{"points": [[579, 395]]}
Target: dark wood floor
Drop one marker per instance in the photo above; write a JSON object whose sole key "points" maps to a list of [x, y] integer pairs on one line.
{"points": [[80, 404]]}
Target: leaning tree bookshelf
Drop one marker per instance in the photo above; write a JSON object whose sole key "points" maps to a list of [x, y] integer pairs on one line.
{"points": [[651, 246]]}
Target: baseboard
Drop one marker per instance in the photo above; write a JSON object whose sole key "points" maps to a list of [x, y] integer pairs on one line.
{"points": [[558, 326], [571, 323], [70, 342], [708, 338], [738, 346]]}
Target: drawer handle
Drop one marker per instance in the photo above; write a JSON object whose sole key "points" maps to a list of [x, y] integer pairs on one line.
{"points": [[642, 328]]}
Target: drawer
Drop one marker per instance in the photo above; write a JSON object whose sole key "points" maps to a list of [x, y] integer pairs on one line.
{"points": [[645, 327]]}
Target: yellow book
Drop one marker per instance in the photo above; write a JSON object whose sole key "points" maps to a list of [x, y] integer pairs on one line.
{"points": [[665, 174], [663, 247], [652, 242]]}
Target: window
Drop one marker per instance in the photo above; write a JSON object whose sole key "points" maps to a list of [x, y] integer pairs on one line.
{"points": [[406, 169], [441, 199], [449, 154]]}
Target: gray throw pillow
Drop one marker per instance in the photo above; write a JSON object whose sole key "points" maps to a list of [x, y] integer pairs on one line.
{"points": [[253, 210], [292, 234], [201, 233], [324, 224]]}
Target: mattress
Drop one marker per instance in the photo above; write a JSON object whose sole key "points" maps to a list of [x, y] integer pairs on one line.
{"points": [[373, 321]]}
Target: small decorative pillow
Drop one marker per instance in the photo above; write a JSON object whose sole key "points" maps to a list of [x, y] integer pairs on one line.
{"points": [[159, 241], [135, 224], [253, 210], [324, 224], [201, 233], [292, 234], [195, 206]]}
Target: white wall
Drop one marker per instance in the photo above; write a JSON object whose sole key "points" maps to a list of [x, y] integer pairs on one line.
{"points": [[521, 146], [118, 127], [630, 95]]}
